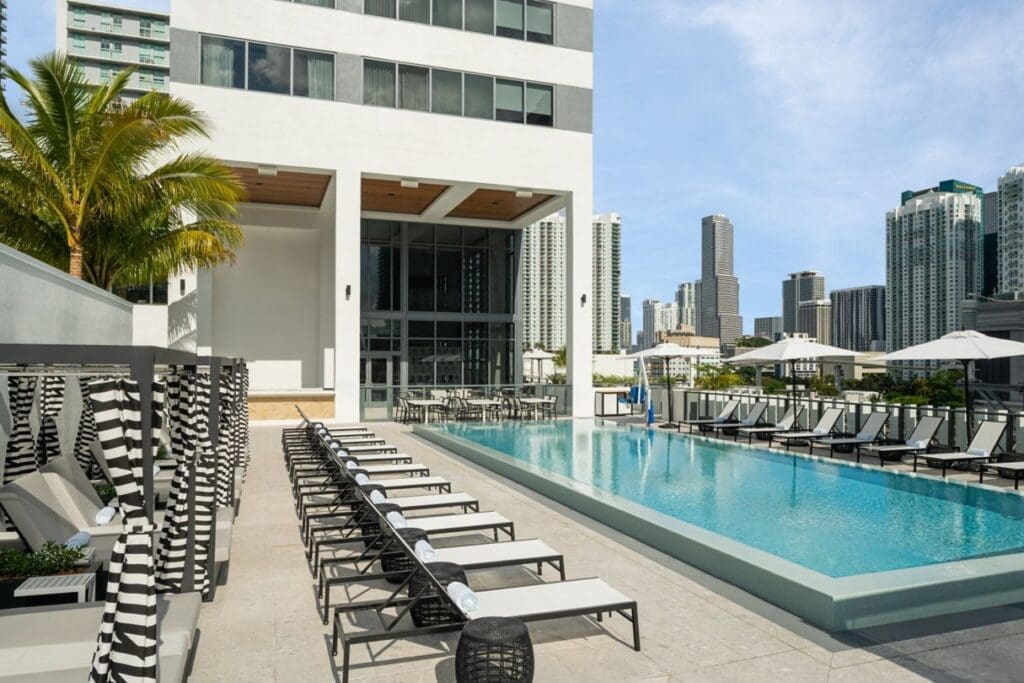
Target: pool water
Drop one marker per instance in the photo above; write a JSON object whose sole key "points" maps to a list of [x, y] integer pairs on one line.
{"points": [[832, 518]]}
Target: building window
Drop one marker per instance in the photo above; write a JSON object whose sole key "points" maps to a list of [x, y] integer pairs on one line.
{"points": [[379, 8], [223, 62], [111, 48], [480, 16], [78, 16], [479, 97], [448, 13], [314, 75], [116, 23], [316, 3], [146, 54], [269, 68], [160, 82], [446, 92], [508, 18], [379, 83], [539, 104], [508, 101], [413, 87], [145, 80], [106, 74], [78, 45], [414, 10], [540, 22]]}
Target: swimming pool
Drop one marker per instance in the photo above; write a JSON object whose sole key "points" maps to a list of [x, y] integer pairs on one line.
{"points": [[841, 531]]}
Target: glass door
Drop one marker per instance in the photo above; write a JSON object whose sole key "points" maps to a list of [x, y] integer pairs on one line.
{"points": [[377, 374]]}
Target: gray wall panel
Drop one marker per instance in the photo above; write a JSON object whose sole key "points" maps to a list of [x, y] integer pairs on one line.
{"points": [[574, 108], [351, 6], [184, 56], [574, 27], [348, 78]]}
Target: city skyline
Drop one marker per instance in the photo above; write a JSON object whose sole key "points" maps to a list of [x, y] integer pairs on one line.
{"points": [[807, 174]]}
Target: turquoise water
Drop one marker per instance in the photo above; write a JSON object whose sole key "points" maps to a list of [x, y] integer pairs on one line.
{"points": [[834, 519]]}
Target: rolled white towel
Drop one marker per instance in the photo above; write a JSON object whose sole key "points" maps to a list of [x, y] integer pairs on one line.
{"points": [[79, 540], [352, 465], [396, 520], [362, 479], [863, 436], [335, 446], [425, 551], [105, 516], [376, 497], [780, 425], [156, 470], [462, 596], [977, 451], [919, 443]]}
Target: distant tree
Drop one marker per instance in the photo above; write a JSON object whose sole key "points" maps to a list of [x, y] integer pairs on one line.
{"points": [[560, 357], [752, 342], [717, 378]]}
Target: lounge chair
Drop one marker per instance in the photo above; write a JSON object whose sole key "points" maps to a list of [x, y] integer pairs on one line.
{"points": [[1006, 470], [753, 417], [868, 434], [826, 424], [981, 448], [786, 424], [537, 602], [55, 643], [723, 416], [920, 440]]}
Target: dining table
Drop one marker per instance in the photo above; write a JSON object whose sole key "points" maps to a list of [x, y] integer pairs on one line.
{"points": [[426, 404]]}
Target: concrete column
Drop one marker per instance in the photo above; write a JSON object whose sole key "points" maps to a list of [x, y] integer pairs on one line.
{"points": [[580, 311], [346, 295]]}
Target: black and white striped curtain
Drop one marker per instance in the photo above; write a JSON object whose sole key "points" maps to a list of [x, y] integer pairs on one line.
{"points": [[19, 457], [86, 435], [51, 401], [127, 641], [242, 415], [172, 549], [225, 440]]}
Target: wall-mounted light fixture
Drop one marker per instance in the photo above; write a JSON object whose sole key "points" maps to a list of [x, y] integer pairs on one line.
{"points": [[267, 171], [410, 183], [524, 194], [583, 300], [181, 287], [348, 292]]}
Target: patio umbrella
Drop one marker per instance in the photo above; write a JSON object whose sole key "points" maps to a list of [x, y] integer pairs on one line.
{"points": [[538, 356], [964, 346], [790, 350], [666, 351]]}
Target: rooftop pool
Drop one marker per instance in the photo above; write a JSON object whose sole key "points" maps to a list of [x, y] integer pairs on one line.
{"points": [[852, 536]]}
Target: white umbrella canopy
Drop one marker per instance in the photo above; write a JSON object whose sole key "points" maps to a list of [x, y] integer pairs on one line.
{"points": [[538, 354], [790, 349], [667, 350], [965, 345]]}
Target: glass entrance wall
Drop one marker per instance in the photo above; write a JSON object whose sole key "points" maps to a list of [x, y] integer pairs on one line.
{"points": [[444, 299]]}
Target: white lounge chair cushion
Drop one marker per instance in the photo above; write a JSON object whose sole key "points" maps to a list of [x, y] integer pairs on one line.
{"points": [[394, 469], [409, 482], [433, 501], [442, 523], [563, 596], [470, 556]]}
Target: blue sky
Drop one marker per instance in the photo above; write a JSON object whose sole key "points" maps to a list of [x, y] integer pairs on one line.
{"points": [[802, 120]]}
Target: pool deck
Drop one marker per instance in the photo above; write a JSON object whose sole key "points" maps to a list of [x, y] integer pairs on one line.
{"points": [[264, 624]]}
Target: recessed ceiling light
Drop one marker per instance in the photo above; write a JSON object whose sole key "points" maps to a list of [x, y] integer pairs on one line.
{"points": [[269, 171], [410, 184], [524, 194]]}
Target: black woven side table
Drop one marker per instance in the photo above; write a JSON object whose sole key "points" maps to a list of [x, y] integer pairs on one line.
{"points": [[494, 650], [430, 610], [399, 560], [370, 525]]}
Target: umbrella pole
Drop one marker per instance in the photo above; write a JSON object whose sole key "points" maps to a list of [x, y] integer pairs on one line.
{"points": [[968, 400], [668, 386]]}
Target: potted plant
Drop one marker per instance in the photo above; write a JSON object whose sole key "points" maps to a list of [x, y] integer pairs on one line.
{"points": [[51, 559]]}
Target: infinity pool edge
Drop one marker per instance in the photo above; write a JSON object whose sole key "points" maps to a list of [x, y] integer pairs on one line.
{"points": [[834, 604]]}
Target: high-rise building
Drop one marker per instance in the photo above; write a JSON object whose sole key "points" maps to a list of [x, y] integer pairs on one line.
{"points": [[544, 297], [720, 290], [815, 320], [686, 298], [990, 243], [658, 317], [392, 154], [3, 39], [1011, 231], [698, 298], [625, 322], [543, 271], [933, 261], [807, 285], [768, 328], [858, 318], [607, 281], [103, 40]]}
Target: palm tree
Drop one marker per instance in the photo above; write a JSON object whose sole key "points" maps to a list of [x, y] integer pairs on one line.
{"points": [[95, 185]]}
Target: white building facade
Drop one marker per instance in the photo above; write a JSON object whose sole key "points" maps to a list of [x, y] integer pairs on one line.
{"points": [[658, 317], [607, 282], [933, 262], [391, 163], [1011, 231], [686, 299]]}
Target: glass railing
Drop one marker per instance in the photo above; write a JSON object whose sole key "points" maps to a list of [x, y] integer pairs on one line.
{"points": [[379, 403]]}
